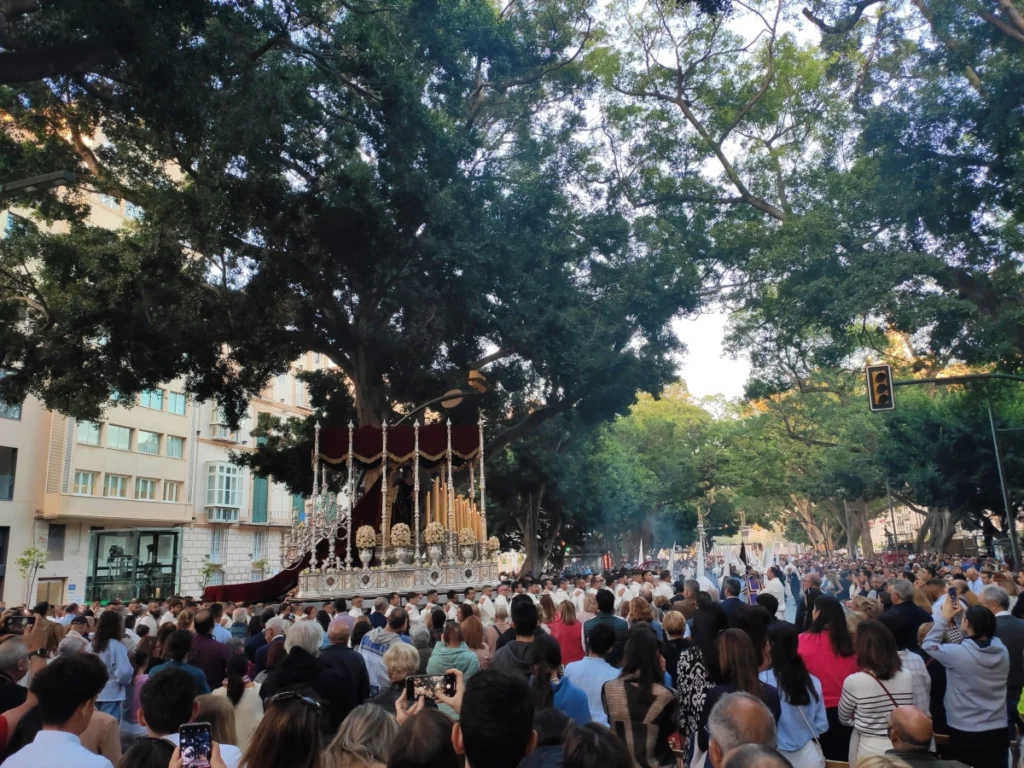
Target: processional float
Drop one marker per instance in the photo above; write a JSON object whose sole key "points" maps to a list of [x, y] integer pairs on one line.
{"points": [[389, 532]]}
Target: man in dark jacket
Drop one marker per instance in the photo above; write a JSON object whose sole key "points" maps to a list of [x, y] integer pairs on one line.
{"points": [[606, 615], [257, 641], [339, 656], [731, 601], [514, 657], [903, 605], [334, 686], [208, 654]]}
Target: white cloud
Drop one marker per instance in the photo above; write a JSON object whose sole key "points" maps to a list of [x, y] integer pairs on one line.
{"points": [[705, 367]]}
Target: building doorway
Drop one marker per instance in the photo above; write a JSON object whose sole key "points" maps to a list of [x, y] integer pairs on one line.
{"points": [[50, 591]]}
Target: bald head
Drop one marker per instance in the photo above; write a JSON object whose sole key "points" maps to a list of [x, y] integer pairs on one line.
{"points": [[755, 756], [738, 719], [338, 632], [910, 729]]}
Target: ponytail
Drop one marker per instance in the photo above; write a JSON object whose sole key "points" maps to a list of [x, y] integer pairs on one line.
{"points": [[238, 665], [545, 657]]}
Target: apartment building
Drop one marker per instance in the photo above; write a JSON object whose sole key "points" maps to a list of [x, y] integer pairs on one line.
{"points": [[144, 502]]}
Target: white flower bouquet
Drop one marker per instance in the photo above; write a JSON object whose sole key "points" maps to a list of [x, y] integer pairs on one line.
{"points": [[467, 537], [401, 536], [433, 533], [366, 537]]}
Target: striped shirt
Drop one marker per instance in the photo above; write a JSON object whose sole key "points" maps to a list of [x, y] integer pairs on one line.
{"points": [[865, 704]]}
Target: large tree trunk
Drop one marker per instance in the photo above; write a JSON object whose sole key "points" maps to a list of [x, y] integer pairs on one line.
{"points": [[529, 526], [860, 508]]}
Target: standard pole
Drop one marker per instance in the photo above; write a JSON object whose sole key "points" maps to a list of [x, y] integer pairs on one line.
{"points": [[1011, 527]]}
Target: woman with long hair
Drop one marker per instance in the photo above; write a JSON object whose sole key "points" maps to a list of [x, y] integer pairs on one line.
{"points": [[473, 635], [568, 633], [289, 733], [803, 717], [54, 634], [976, 672], [684, 661], [425, 739], [364, 739], [244, 697], [548, 613], [590, 609], [275, 656], [810, 597], [739, 663], [549, 690], [709, 622], [828, 652], [106, 643], [217, 711], [641, 711], [870, 695], [158, 653]]}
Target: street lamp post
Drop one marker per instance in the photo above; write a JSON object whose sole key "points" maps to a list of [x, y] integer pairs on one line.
{"points": [[38, 183]]}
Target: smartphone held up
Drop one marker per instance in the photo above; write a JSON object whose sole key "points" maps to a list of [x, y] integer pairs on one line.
{"points": [[429, 686]]}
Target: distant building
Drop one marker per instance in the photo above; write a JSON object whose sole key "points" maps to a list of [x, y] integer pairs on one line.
{"points": [[139, 503]]}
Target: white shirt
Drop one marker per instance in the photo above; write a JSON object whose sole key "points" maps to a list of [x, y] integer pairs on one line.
{"points": [[452, 614], [148, 621], [168, 618], [355, 613], [775, 588], [535, 598], [56, 749], [664, 589], [635, 587], [976, 586], [230, 754], [414, 614], [486, 611], [559, 596]]}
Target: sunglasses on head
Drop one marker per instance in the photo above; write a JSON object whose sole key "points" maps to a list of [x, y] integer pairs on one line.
{"points": [[294, 695]]}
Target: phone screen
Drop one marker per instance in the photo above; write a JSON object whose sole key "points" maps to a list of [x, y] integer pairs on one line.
{"points": [[196, 745], [954, 596], [17, 624], [429, 686]]}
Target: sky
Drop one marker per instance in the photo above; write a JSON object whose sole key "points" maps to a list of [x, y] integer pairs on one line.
{"points": [[706, 369]]}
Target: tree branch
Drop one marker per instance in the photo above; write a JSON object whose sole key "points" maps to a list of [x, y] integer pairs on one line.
{"points": [[844, 24]]}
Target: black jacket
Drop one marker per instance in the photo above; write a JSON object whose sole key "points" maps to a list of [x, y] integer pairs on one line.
{"points": [[343, 658], [914, 616], [334, 687], [1011, 631]]}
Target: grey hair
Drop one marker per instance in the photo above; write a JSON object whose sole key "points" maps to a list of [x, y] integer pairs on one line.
{"points": [[366, 734], [758, 756], [307, 635], [995, 594], [279, 625], [420, 636], [239, 615], [730, 730], [72, 645], [904, 589], [12, 653], [236, 644], [381, 603]]}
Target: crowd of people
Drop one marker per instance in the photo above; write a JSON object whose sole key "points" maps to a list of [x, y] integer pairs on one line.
{"points": [[882, 666]]}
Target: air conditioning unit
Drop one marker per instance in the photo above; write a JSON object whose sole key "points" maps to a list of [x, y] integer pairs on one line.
{"points": [[222, 514]]}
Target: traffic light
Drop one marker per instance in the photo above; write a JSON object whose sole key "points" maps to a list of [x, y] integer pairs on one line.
{"points": [[880, 389]]}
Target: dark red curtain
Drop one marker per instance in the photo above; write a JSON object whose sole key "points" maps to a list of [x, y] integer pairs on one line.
{"points": [[367, 444]]}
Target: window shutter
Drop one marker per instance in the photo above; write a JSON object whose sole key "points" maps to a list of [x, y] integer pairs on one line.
{"points": [[260, 489]]}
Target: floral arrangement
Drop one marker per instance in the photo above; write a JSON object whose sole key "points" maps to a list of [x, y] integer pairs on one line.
{"points": [[401, 536], [467, 537], [493, 545], [366, 537], [433, 533]]}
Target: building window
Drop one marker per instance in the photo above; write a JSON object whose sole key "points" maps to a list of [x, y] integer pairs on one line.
{"points": [[115, 486], [152, 398], [119, 438], [132, 211], [8, 468], [176, 403], [149, 442], [16, 225], [84, 483], [259, 545], [89, 433], [224, 486], [9, 410], [300, 393], [175, 447], [110, 201], [216, 544], [172, 491], [145, 489], [219, 428], [55, 542], [216, 579]]}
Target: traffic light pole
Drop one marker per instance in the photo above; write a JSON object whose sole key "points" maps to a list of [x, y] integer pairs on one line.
{"points": [[1011, 524]]}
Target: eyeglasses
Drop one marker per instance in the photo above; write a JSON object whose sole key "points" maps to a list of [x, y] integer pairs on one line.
{"points": [[294, 695]]}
